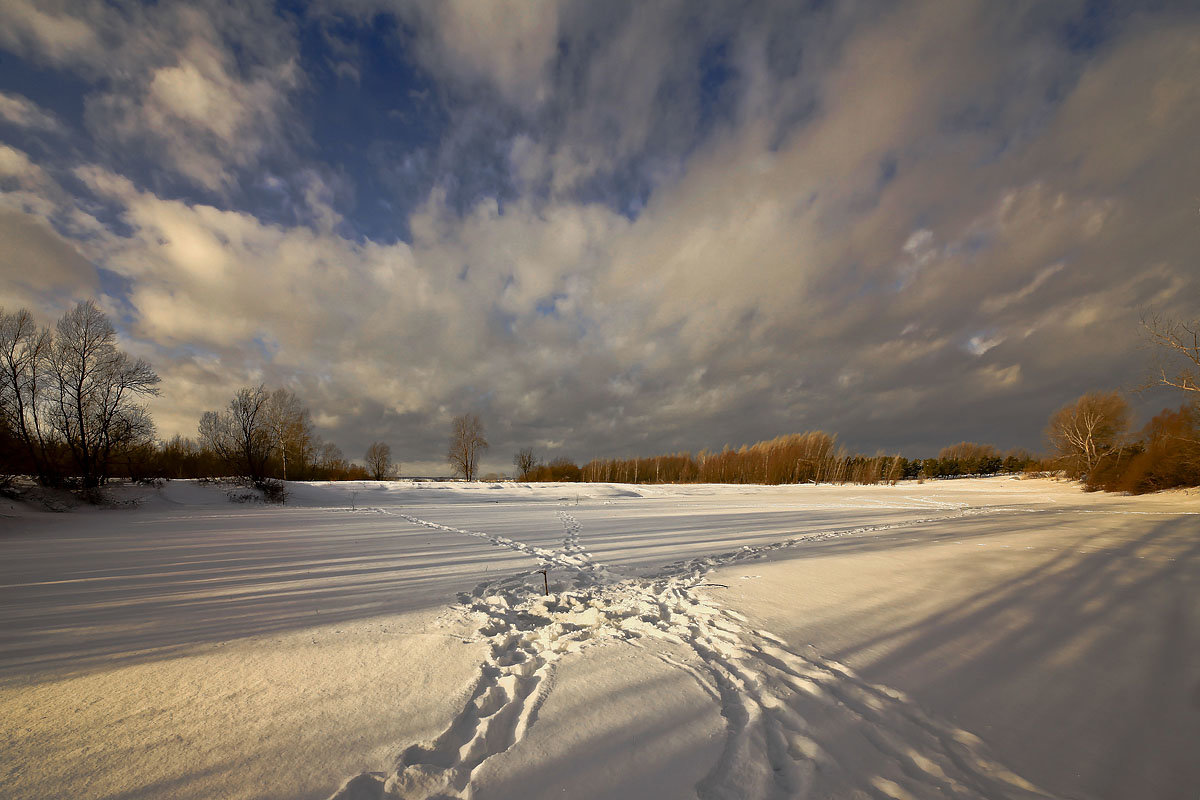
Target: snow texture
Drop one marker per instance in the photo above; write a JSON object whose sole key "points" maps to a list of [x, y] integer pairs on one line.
{"points": [[775, 702], [546, 581]]}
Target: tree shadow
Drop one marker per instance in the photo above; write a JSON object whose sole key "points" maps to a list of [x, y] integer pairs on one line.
{"points": [[120, 596], [1083, 663]]}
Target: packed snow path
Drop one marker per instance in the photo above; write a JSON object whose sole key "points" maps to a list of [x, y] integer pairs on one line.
{"points": [[777, 704]]}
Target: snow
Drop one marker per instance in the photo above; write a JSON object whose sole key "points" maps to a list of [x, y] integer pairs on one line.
{"points": [[988, 638]]}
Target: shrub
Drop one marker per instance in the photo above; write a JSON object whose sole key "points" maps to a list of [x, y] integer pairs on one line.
{"points": [[273, 490], [1166, 456]]}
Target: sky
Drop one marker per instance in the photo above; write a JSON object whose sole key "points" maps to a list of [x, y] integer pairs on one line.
{"points": [[611, 229]]}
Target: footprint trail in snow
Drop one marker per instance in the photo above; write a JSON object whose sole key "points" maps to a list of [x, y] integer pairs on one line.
{"points": [[797, 725]]}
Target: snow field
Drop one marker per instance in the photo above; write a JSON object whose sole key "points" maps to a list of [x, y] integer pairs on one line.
{"points": [[697, 641], [1066, 639], [775, 702]]}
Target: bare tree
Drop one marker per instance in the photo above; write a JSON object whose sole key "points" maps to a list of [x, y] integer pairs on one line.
{"points": [[379, 460], [466, 443], [240, 434], [524, 461], [93, 388], [331, 461], [23, 381], [216, 434], [1084, 432], [1181, 342], [288, 426]]}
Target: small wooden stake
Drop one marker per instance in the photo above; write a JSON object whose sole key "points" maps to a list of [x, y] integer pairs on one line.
{"points": [[546, 581]]}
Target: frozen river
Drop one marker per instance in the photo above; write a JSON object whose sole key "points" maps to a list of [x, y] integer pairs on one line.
{"points": [[976, 638]]}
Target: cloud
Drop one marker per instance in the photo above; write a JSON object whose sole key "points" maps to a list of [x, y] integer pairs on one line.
{"points": [[998, 303], [26, 187], [1000, 377], [980, 344], [44, 271], [890, 236], [507, 47], [206, 116], [15, 165], [48, 30], [203, 89], [507, 44], [22, 112]]}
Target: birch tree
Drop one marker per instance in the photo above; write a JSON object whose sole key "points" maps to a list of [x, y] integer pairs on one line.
{"points": [[288, 427]]}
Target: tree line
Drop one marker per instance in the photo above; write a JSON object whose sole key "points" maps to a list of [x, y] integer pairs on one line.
{"points": [[263, 434], [810, 457], [71, 416], [1089, 440]]}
